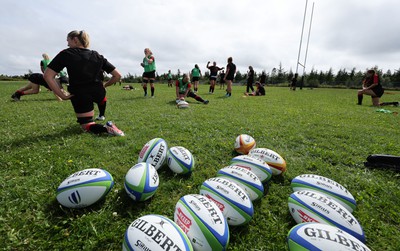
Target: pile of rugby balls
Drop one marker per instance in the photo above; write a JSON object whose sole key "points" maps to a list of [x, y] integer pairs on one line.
{"points": [[324, 207]]}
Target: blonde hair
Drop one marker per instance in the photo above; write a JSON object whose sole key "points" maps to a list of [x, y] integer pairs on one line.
{"points": [[82, 36], [45, 56]]}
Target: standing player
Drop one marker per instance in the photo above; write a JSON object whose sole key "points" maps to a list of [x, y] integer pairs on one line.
{"points": [[44, 62], [213, 75], [221, 79], [250, 79], [230, 76], [263, 78], [169, 78], [85, 68], [149, 74], [183, 90], [196, 74]]}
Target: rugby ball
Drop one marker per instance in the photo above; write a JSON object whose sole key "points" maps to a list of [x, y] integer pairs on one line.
{"points": [[232, 200], [154, 152], [180, 160], [244, 143], [155, 232], [84, 188], [245, 179], [273, 159], [328, 187], [311, 206], [203, 222], [141, 181], [258, 167], [316, 236], [182, 104]]}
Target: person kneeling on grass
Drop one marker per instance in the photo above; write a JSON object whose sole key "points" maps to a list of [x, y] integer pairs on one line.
{"points": [[85, 68], [260, 91], [183, 90], [33, 87], [372, 87]]}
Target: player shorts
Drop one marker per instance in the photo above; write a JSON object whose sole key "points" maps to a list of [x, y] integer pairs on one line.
{"points": [[83, 100], [378, 90], [195, 79], [230, 77], [37, 78], [213, 77], [150, 74]]}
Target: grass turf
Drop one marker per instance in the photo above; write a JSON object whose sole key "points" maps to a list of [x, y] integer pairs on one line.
{"points": [[319, 131]]}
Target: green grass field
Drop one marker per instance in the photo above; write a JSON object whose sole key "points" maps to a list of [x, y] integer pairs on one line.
{"points": [[319, 131]]}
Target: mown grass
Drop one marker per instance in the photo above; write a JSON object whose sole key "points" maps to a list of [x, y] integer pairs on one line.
{"points": [[318, 131]]}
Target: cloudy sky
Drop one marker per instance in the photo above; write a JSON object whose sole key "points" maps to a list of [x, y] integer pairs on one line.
{"points": [[261, 33]]}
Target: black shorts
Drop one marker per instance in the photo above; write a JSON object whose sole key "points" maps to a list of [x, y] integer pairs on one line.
{"points": [[83, 100], [63, 80], [195, 79], [230, 78], [378, 90], [150, 74], [213, 77], [37, 78]]}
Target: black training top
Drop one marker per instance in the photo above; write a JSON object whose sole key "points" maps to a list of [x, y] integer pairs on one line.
{"points": [[214, 70], [232, 70], [85, 67]]}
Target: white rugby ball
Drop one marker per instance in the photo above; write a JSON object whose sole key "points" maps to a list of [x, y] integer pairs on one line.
{"points": [[311, 206], [203, 222], [84, 188], [154, 152], [316, 236], [232, 200], [180, 160], [244, 143], [273, 159], [244, 178], [258, 167], [155, 232], [141, 181], [328, 187], [182, 104]]}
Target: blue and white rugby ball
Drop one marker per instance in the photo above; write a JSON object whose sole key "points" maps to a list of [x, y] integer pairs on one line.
{"points": [[155, 232], [316, 236], [244, 178], [232, 200], [328, 187], [257, 166], [180, 160], [311, 206], [84, 188], [154, 152], [203, 223], [141, 181]]}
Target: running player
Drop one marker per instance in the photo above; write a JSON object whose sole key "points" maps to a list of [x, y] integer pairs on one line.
{"points": [[196, 74], [229, 76], [149, 74], [213, 75], [85, 68], [183, 90]]}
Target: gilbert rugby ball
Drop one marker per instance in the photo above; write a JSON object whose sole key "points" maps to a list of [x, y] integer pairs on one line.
{"points": [[244, 178], [141, 181], [328, 187], [316, 236], [232, 200], [182, 104], [273, 159], [310, 206], [258, 167], [155, 232], [203, 223], [84, 188], [244, 143], [180, 160], [154, 152]]}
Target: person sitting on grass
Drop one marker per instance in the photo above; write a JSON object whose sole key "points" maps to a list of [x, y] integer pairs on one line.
{"points": [[260, 91], [33, 87], [372, 87], [183, 90]]}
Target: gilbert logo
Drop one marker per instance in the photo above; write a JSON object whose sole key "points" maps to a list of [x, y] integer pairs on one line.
{"points": [[305, 217], [219, 204], [75, 198]]}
